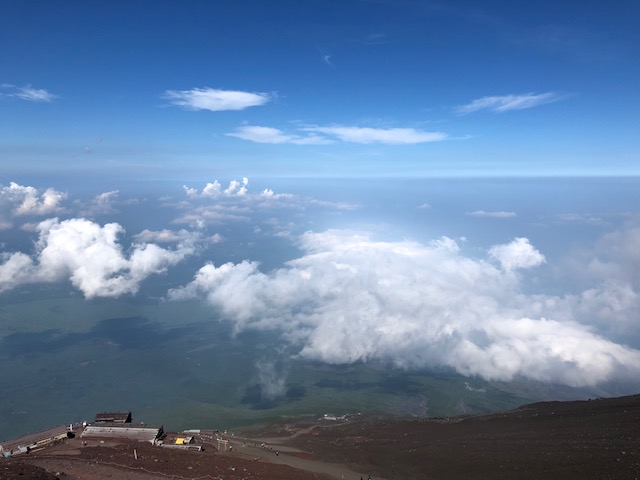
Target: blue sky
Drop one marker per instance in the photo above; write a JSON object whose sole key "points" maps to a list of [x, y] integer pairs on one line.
{"points": [[320, 88], [294, 166]]}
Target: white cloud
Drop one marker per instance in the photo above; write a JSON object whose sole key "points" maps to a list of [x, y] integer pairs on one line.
{"points": [[618, 254], [270, 194], [257, 134], [237, 188], [214, 190], [166, 236], [15, 269], [613, 264], [614, 257], [31, 94], [326, 135], [215, 100], [581, 218], [506, 103], [233, 203], [350, 299], [102, 204], [392, 136], [26, 200], [198, 217], [499, 214], [517, 254], [272, 381], [90, 257], [613, 308]]}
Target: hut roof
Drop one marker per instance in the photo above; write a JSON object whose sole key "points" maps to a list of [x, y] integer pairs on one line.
{"points": [[141, 433], [113, 417]]}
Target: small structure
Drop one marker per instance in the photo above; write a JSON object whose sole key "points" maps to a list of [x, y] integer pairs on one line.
{"points": [[184, 440], [113, 417], [140, 433], [333, 418]]}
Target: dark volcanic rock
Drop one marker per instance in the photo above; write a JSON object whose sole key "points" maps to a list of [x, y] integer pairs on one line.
{"points": [[14, 470]]}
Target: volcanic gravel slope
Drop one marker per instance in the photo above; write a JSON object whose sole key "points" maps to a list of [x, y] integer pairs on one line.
{"points": [[598, 439]]}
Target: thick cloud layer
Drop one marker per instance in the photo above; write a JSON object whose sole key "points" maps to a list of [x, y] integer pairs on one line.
{"points": [[352, 299], [89, 256]]}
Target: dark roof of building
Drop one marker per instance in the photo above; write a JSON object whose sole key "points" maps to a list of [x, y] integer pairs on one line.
{"points": [[113, 417]]}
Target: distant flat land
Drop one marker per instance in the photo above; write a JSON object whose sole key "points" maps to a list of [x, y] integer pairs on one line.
{"points": [[596, 439]]}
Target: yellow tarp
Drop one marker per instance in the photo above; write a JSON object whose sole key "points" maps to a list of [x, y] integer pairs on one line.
{"points": [[179, 441]]}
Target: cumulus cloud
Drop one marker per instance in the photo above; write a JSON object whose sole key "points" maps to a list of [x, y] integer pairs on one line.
{"points": [[214, 190], [270, 194], [319, 135], [28, 201], [215, 100], [498, 214], [517, 254], [349, 299], [90, 257], [505, 103]]}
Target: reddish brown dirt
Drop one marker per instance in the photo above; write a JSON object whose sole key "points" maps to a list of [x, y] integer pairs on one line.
{"points": [[597, 439], [117, 461], [593, 440]]}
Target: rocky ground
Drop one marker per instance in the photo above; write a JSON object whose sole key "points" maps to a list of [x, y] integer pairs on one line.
{"points": [[598, 439]]}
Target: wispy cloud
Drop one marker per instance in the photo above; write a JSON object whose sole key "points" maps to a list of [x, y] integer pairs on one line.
{"points": [[215, 100], [258, 134], [318, 135], [483, 213], [163, 236], [586, 219], [378, 135], [505, 103], [28, 93], [102, 204]]}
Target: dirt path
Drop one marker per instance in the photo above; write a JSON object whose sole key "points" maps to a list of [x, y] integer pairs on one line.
{"points": [[275, 451]]}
